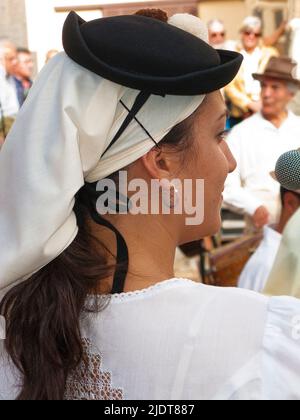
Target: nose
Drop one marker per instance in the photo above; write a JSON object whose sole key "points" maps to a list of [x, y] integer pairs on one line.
{"points": [[232, 163], [266, 92]]}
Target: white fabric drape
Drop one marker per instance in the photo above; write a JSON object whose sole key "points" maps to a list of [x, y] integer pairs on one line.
{"points": [[257, 270]]}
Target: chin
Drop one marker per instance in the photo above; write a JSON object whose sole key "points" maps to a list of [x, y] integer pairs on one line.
{"points": [[207, 228], [214, 227], [268, 111]]}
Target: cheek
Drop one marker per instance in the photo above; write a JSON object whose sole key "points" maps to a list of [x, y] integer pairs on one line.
{"points": [[215, 165], [208, 162], [283, 99], [211, 166]]}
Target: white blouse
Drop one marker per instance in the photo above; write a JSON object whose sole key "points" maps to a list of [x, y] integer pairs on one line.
{"points": [[186, 341], [258, 268]]}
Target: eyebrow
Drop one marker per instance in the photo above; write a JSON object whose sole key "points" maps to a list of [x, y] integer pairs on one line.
{"points": [[224, 115]]}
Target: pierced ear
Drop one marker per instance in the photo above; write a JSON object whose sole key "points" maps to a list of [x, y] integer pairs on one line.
{"points": [[156, 163], [291, 201], [292, 94]]}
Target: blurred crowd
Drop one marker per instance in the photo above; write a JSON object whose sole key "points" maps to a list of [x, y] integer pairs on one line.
{"points": [[243, 95], [16, 78], [262, 128]]}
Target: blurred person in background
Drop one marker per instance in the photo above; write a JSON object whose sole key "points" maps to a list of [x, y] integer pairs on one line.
{"points": [[257, 271], [217, 36], [9, 105], [284, 279], [285, 275], [23, 74], [244, 92], [258, 142]]}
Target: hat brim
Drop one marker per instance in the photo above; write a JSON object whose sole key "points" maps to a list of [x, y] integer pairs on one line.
{"points": [[192, 83], [273, 175], [271, 75]]}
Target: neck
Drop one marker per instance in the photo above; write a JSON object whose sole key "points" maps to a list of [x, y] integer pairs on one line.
{"points": [[250, 50], [284, 218], [276, 119], [150, 261], [24, 80]]}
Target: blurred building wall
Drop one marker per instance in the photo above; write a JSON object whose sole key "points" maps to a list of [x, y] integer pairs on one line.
{"points": [[294, 6], [232, 12], [45, 18], [13, 21], [38, 23]]}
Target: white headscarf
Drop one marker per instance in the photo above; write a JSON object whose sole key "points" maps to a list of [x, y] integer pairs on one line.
{"points": [[67, 122]]}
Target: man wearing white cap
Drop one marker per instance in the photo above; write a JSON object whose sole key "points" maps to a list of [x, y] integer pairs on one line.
{"points": [[258, 142], [244, 91], [217, 36], [258, 268]]}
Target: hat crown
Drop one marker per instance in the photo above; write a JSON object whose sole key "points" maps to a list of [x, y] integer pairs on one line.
{"points": [[153, 47], [288, 170], [280, 68], [281, 65], [149, 55]]}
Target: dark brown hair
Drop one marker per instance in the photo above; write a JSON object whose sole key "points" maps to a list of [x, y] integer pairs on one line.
{"points": [[43, 313]]}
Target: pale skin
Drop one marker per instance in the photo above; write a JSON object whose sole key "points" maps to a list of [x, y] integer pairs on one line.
{"points": [[24, 67], [152, 239], [250, 39], [275, 97], [10, 59], [217, 38]]}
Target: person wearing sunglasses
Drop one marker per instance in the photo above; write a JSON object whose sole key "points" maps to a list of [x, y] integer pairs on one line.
{"points": [[217, 36], [244, 92], [217, 33]]}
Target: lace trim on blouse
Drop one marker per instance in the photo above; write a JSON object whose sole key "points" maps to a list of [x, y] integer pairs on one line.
{"points": [[89, 381], [121, 297]]}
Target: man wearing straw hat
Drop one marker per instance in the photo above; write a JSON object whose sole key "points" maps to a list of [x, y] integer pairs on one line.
{"points": [[258, 142]]}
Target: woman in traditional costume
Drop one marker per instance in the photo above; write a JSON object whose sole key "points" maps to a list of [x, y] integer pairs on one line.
{"points": [[92, 308]]}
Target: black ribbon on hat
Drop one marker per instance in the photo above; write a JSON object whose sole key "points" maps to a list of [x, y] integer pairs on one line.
{"points": [[89, 195], [122, 249], [138, 104], [122, 253]]}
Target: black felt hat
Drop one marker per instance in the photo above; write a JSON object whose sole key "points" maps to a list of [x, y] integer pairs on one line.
{"points": [[147, 54]]}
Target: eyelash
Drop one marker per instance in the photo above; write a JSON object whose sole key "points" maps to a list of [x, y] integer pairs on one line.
{"points": [[223, 135]]}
